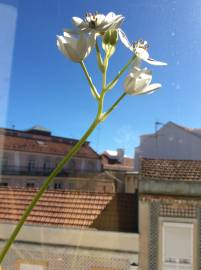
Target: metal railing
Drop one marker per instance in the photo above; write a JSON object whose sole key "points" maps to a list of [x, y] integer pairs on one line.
{"points": [[40, 171]]}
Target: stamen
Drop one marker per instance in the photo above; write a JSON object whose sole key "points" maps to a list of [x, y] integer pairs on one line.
{"points": [[91, 19], [143, 44]]}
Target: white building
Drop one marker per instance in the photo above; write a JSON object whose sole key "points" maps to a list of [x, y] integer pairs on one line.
{"points": [[171, 141]]}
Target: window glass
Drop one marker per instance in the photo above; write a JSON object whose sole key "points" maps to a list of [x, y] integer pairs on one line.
{"points": [[30, 265], [49, 97], [177, 245]]}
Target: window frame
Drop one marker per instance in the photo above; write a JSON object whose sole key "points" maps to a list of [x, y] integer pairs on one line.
{"points": [[176, 220], [42, 263]]}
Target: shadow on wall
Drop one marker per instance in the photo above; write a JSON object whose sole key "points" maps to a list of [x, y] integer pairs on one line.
{"points": [[120, 215]]}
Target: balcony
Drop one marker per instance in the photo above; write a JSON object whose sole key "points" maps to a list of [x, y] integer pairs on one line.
{"points": [[34, 171], [40, 171]]}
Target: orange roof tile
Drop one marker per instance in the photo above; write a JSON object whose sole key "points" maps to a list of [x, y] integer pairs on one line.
{"points": [[113, 212], [17, 141], [186, 170], [127, 163]]}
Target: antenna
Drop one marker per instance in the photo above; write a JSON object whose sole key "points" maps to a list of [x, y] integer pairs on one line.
{"points": [[157, 124]]}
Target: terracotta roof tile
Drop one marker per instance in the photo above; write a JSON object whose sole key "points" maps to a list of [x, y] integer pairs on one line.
{"points": [[115, 212], [186, 170], [126, 165], [48, 146]]}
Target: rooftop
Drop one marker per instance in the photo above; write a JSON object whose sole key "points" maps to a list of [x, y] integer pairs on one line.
{"points": [[110, 161], [41, 142], [186, 170], [87, 210]]}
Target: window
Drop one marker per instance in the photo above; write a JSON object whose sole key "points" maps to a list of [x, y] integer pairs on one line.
{"points": [[30, 185], [31, 265], [71, 165], [177, 246], [47, 164], [4, 162], [3, 184], [71, 186], [57, 185], [91, 165], [101, 268], [31, 164]]}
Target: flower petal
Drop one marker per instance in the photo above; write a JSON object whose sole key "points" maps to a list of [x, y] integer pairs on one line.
{"points": [[142, 53], [100, 19], [110, 17], [118, 21], [77, 21], [71, 39], [124, 39], [155, 62], [149, 89], [80, 23]]}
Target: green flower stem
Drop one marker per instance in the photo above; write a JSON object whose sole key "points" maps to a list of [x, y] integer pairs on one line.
{"points": [[99, 57], [93, 88], [104, 73], [112, 83], [45, 185], [107, 113]]}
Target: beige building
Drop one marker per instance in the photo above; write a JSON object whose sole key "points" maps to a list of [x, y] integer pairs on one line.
{"points": [[28, 157], [71, 230], [117, 166], [131, 182], [170, 214]]}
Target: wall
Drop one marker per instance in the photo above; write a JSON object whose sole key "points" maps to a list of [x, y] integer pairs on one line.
{"points": [[71, 248], [170, 142]]}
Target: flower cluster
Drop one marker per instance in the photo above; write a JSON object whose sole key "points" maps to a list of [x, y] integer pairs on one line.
{"points": [[78, 43]]}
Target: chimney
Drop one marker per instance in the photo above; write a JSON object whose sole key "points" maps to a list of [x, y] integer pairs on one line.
{"points": [[120, 154]]}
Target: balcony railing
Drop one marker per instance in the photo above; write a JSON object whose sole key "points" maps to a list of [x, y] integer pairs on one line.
{"points": [[40, 171], [25, 170]]}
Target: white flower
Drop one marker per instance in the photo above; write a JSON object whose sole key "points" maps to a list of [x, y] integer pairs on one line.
{"points": [[76, 46], [138, 82], [98, 23], [140, 48]]}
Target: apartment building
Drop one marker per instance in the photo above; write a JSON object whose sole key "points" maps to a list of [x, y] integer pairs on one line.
{"points": [[28, 157], [170, 214]]}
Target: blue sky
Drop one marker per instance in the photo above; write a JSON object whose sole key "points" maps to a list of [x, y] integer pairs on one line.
{"points": [[46, 88]]}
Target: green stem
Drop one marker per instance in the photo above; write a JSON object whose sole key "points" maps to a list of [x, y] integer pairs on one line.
{"points": [[45, 185], [106, 114], [99, 57], [93, 88], [104, 74], [112, 83]]}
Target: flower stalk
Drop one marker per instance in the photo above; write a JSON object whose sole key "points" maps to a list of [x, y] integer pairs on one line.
{"points": [[115, 80], [92, 86], [99, 57]]}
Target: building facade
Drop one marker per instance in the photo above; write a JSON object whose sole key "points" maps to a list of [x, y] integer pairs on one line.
{"points": [[171, 141], [28, 157], [117, 166], [170, 214]]}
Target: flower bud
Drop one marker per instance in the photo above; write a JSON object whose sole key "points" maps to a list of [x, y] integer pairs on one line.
{"points": [[113, 37], [106, 37]]}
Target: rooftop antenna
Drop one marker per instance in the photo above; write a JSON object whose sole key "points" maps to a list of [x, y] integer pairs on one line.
{"points": [[157, 124]]}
